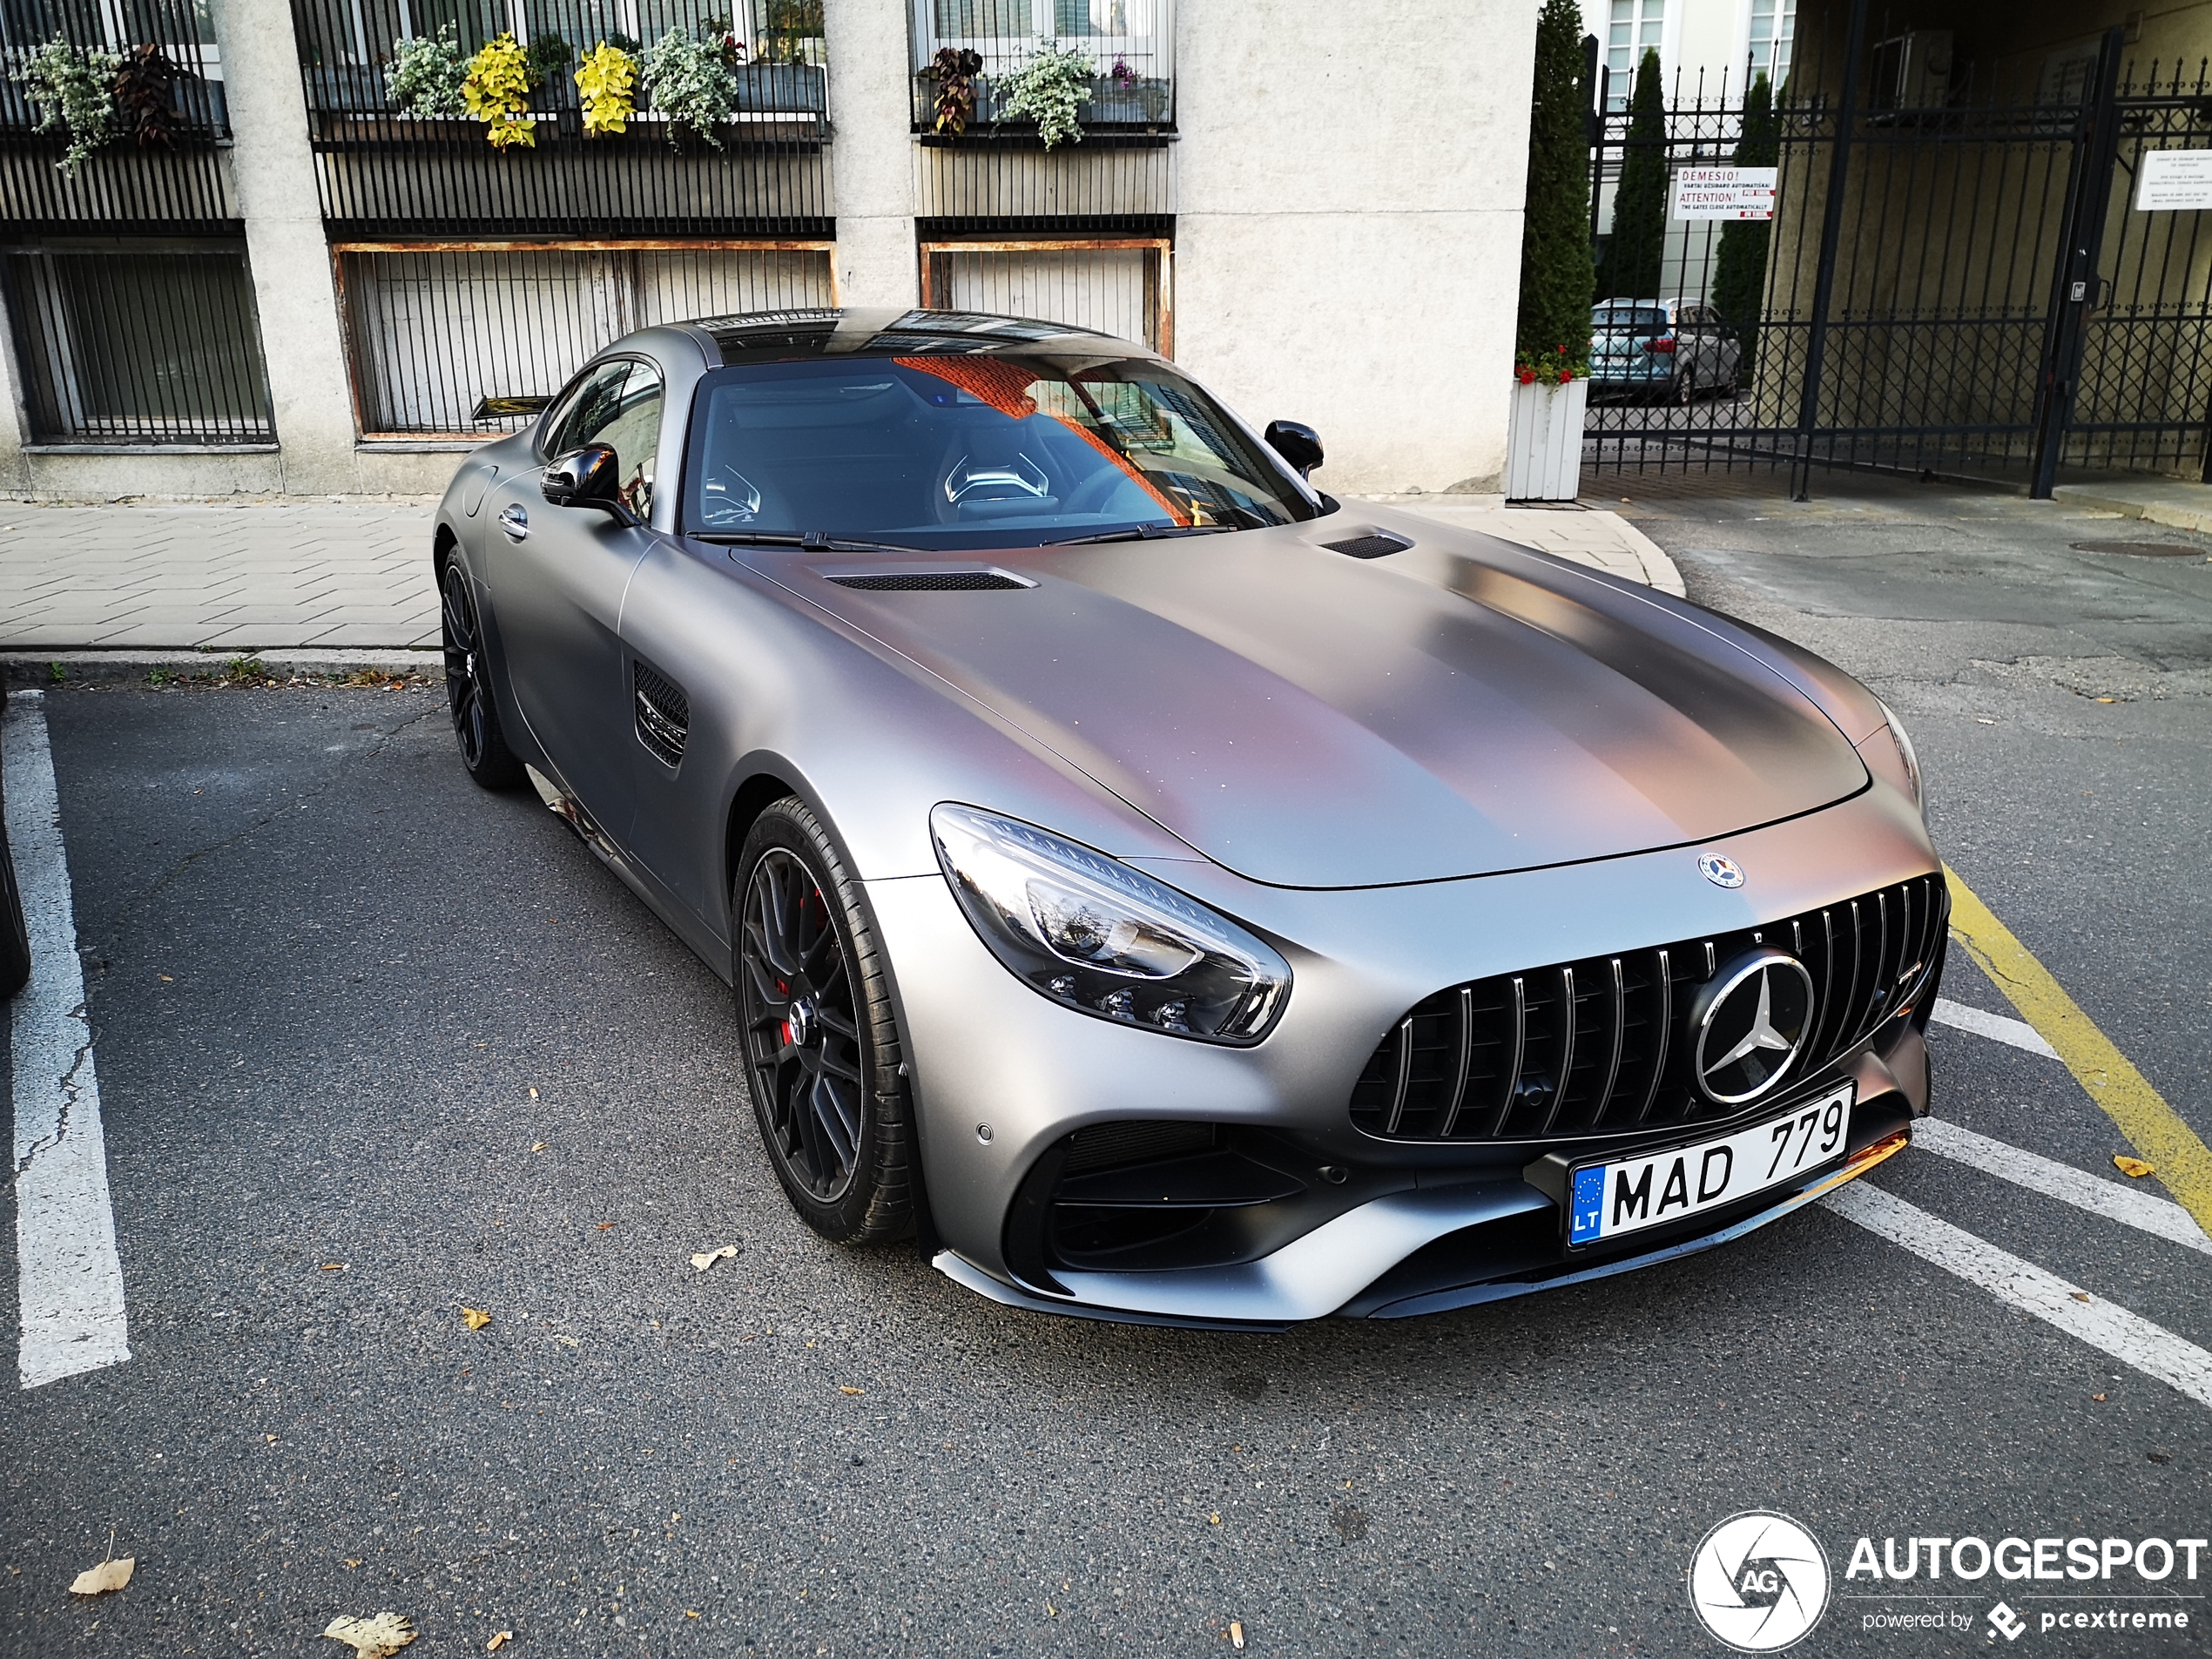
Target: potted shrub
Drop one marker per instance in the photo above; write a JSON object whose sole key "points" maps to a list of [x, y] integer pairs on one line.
{"points": [[690, 81], [1552, 343], [74, 92], [785, 76], [1048, 90]]}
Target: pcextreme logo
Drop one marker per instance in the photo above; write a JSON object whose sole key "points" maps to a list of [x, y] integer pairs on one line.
{"points": [[1758, 1581]]}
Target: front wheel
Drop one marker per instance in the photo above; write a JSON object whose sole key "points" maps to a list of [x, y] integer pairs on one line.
{"points": [[821, 1042], [468, 693]]}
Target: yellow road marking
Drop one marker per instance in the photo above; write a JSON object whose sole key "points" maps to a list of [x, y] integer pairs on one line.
{"points": [[2152, 1127]]}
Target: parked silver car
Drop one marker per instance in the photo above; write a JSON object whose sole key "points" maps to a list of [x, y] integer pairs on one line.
{"points": [[1170, 893], [1663, 348]]}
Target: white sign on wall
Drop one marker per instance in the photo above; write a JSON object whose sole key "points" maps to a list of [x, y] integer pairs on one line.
{"points": [[1725, 193], [2167, 180]]}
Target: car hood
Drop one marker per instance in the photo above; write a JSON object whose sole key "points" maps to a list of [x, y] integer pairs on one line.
{"points": [[1311, 720]]}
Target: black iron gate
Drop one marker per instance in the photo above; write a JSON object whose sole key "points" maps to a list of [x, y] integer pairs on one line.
{"points": [[1954, 282]]}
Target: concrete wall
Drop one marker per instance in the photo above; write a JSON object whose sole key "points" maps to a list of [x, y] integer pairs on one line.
{"points": [[871, 178], [1348, 242]]}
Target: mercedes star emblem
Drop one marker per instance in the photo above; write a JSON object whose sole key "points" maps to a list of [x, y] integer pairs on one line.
{"points": [[1751, 1019], [1720, 872]]}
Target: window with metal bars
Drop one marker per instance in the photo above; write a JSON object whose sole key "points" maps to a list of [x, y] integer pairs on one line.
{"points": [[156, 344], [1130, 45], [1604, 1045]]}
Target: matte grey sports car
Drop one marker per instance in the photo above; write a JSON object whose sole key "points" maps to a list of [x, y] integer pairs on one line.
{"points": [[1167, 891]]}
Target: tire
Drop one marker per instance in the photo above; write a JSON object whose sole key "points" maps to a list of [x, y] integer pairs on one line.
{"points": [[469, 688], [15, 937], [825, 1084], [1685, 387]]}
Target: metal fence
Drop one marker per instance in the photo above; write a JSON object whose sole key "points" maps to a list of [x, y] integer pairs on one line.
{"points": [[434, 331], [181, 185], [150, 343], [385, 170], [1954, 279]]}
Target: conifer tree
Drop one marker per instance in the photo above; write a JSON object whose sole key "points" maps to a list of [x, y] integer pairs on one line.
{"points": [[1739, 271], [1630, 269], [1553, 332]]}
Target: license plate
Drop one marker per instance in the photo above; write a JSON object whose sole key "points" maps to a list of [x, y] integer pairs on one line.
{"points": [[1606, 1200]]}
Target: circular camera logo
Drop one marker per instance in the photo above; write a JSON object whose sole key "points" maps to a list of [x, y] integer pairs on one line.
{"points": [[1759, 1581]]}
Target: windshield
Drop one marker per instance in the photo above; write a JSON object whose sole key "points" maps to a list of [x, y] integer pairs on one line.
{"points": [[971, 451], [1617, 317]]}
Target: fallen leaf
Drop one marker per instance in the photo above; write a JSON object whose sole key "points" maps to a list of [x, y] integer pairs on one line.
{"points": [[499, 1641], [605, 1225], [351, 1561], [2096, 1397], [271, 1439], [1050, 1611], [475, 1319], [853, 1391], [708, 1258], [690, 1613], [374, 1638], [108, 1576], [537, 1146], [167, 979], [1236, 1633], [2135, 1167], [1213, 1520], [2079, 1296], [334, 1267]]}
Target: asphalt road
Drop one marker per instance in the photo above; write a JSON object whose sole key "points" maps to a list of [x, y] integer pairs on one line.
{"points": [[373, 1046]]}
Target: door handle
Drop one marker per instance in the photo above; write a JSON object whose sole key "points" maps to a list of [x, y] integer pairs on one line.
{"points": [[514, 522]]}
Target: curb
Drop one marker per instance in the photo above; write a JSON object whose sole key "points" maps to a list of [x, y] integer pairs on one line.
{"points": [[121, 667], [1659, 571], [2146, 505]]}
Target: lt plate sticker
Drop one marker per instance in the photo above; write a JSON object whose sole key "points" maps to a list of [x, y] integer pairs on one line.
{"points": [[1610, 1199]]}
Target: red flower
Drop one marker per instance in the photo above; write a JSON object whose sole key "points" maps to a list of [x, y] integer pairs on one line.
{"points": [[1565, 374], [1527, 376]]}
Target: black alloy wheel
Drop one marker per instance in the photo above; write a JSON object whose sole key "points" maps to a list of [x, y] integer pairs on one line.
{"points": [[822, 1042], [468, 693]]}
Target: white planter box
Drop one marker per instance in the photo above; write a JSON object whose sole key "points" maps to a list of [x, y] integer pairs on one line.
{"points": [[1544, 441]]}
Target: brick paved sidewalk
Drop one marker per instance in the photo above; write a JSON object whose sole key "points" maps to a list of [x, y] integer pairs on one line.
{"points": [[328, 576]]}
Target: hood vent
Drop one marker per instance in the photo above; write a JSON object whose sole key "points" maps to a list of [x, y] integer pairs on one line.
{"points": [[1374, 545], [932, 582]]}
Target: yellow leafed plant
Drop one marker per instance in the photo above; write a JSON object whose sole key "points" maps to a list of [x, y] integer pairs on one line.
{"points": [[607, 82], [498, 92]]}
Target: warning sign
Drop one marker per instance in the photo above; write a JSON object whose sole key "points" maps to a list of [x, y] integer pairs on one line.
{"points": [[2171, 180], [1724, 192]]}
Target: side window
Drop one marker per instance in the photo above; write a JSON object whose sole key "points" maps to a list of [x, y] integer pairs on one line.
{"points": [[594, 401], [633, 433]]}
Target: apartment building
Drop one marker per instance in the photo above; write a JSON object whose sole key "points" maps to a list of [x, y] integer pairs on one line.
{"points": [[311, 278]]}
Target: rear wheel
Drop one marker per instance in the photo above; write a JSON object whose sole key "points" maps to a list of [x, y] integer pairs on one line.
{"points": [[1685, 387], [822, 1043], [468, 693]]}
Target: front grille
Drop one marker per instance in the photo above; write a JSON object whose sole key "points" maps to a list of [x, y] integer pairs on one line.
{"points": [[929, 582], [1604, 1044], [1374, 545], [663, 714]]}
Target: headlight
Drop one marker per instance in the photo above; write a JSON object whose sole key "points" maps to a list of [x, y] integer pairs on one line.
{"points": [[1905, 753], [1093, 933]]}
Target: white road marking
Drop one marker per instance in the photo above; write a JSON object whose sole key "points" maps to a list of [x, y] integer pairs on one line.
{"points": [[1998, 1027], [2161, 1217], [2127, 1337], [70, 1277]]}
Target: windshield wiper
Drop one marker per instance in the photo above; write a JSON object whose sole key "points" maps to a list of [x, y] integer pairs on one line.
{"points": [[1143, 533], [817, 541]]}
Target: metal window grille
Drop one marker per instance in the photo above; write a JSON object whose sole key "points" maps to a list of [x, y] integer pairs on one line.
{"points": [[384, 171], [1130, 43], [1117, 287], [178, 189], [435, 330], [147, 344]]}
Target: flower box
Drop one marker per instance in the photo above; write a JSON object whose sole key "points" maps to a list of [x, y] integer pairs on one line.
{"points": [[1544, 441]]}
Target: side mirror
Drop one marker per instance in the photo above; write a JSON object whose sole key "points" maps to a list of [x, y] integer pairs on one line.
{"points": [[590, 476], [1297, 443]]}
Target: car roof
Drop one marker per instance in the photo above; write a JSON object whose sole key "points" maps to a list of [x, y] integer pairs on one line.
{"points": [[834, 331]]}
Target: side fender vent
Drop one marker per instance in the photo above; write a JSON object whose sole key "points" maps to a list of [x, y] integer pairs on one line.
{"points": [[932, 582], [1374, 545], [663, 713]]}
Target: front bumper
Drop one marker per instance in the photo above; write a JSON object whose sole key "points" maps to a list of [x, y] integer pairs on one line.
{"points": [[1004, 1083]]}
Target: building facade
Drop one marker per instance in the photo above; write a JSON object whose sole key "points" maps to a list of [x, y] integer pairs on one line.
{"points": [[307, 280]]}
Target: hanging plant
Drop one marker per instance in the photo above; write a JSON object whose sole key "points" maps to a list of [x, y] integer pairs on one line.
{"points": [[426, 76], [75, 92], [688, 81], [497, 92], [607, 81], [144, 87], [1048, 90], [955, 70]]}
